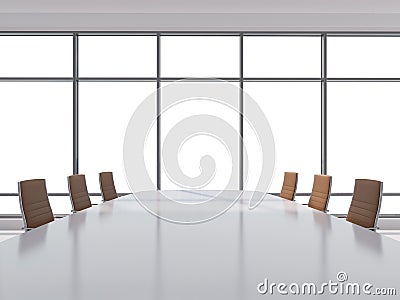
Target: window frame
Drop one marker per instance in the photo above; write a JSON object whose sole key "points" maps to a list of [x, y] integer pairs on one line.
{"points": [[323, 79]]}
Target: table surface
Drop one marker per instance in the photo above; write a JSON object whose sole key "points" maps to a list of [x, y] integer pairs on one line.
{"points": [[117, 250]]}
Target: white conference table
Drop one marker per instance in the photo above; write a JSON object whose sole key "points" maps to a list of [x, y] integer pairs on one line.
{"points": [[117, 250]]}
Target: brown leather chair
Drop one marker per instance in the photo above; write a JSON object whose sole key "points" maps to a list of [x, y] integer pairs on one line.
{"points": [[321, 192], [289, 186], [107, 186], [34, 203], [366, 203], [78, 192]]}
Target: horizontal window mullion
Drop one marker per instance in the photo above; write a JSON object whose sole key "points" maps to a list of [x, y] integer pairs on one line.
{"points": [[362, 34], [36, 79], [199, 79], [282, 33], [281, 79], [117, 33], [57, 194], [341, 194], [208, 33], [117, 79], [351, 79], [36, 33], [147, 79], [199, 33]]}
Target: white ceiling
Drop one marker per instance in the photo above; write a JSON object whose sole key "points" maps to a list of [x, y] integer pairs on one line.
{"points": [[205, 15]]}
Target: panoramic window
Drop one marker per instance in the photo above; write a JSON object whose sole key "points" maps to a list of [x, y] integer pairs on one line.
{"points": [[285, 75]]}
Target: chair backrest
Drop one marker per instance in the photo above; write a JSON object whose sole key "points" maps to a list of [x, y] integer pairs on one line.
{"points": [[34, 203], [107, 186], [289, 186], [78, 192], [321, 192], [366, 203]]}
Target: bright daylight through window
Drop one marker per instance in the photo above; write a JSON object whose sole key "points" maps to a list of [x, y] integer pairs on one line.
{"points": [[326, 100]]}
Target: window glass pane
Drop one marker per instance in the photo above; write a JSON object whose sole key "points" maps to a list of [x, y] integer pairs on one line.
{"points": [[294, 113], [390, 204], [104, 112], [97, 199], [36, 56], [10, 205], [195, 147], [363, 57], [362, 128], [280, 56], [60, 205], [199, 56], [117, 56], [36, 122], [339, 204], [302, 199]]}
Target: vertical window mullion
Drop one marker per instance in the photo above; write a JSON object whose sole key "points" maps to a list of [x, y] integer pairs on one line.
{"points": [[75, 105], [241, 107], [323, 104], [158, 112]]}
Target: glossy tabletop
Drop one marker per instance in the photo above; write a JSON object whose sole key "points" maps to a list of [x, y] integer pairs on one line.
{"points": [[118, 250]]}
